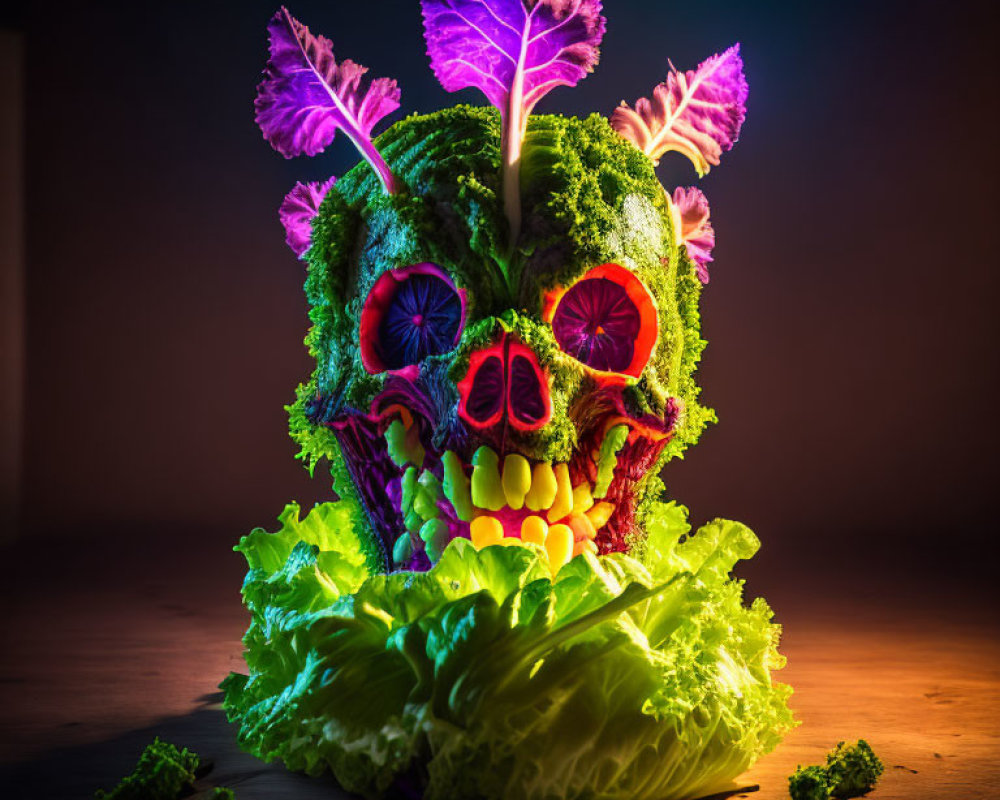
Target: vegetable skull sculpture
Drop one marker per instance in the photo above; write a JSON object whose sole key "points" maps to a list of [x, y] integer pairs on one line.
{"points": [[505, 327]]}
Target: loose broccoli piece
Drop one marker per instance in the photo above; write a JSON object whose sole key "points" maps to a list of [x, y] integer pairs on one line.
{"points": [[850, 771], [163, 773], [853, 769], [809, 783]]}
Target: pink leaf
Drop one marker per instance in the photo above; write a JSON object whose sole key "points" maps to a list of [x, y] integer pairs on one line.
{"points": [[692, 227], [515, 52], [697, 113], [297, 211], [306, 96]]}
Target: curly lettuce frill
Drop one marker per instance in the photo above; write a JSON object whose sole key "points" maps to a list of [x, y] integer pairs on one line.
{"points": [[487, 677]]}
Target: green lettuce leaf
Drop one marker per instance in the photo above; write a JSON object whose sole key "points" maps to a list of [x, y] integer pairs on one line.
{"points": [[487, 677]]}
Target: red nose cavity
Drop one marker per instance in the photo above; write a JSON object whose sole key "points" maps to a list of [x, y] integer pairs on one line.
{"points": [[505, 380]]}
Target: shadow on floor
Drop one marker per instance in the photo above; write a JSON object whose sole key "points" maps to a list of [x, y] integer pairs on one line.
{"points": [[75, 773]]}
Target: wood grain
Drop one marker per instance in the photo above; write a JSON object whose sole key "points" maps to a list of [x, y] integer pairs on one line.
{"points": [[92, 669]]}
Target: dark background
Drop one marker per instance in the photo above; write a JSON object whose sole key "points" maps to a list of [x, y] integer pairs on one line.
{"points": [[851, 312]]}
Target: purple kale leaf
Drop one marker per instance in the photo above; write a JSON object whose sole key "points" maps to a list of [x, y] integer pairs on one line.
{"points": [[306, 96], [515, 52], [297, 211]]}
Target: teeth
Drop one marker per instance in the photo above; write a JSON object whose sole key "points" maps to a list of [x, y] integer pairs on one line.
{"points": [[534, 529], [487, 491], [607, 459], [402, 549], [584, 546], [516, 479], [561, 542], [435, 535], [582, 527], [543, 487], [563, 502], [428, 491], [582, 498], [485, 531], [567, 518], [559, 546], [411, 519], [600, 514], [404, 444], [408, 484], [456, 487]]}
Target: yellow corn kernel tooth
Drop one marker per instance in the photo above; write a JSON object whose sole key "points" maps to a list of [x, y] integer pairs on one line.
{"points": [[559, 546], [582, 498], [516, 479], [582, 527], [563, 502], [584, 546], [543, 487], [533, 529], [485, 531], [600, 513]]}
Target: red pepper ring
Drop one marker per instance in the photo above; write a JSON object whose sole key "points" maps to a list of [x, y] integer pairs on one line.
{"points": [[636, 429], [638, 294], [388, 414], [485, 399], [465, 387], [520, 415]]}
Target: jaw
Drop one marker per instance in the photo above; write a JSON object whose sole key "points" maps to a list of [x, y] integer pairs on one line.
{"points": [[423, 481]]}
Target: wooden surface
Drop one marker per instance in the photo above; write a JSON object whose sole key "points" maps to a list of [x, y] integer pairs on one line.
{"points": [[93, 667]]}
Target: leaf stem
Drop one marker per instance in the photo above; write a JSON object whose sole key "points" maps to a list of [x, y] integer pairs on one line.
{"points": [[514, 122], [390, 183]]}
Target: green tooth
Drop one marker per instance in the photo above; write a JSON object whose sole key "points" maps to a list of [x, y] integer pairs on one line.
{"points": [[435, 535], [428, 492], [403, 549], [614, 440], [411, 518], [456, 486], [403, 444], [487, 492], [409, 487], [412, 521]]}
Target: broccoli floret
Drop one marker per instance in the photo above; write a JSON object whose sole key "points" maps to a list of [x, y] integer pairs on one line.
{"points": [[850, 771], [853, 769], [163, 773], [809, 783]]}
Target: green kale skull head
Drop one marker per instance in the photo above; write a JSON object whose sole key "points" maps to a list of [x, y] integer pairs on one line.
{"points": [[504, 308]]}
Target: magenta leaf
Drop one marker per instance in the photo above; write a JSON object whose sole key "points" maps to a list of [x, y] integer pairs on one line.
{"points": [[692, 227], [697, 113], [297, 211], [515, 52], [306, 97]]}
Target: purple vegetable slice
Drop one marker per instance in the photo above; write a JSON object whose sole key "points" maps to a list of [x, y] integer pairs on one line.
{"points": [[410, 314]]}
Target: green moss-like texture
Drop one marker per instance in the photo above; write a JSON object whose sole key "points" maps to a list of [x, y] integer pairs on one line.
{"points": [[589, 197], [162, 773]]}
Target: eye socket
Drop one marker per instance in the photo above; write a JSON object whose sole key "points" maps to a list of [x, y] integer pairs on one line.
{"points": [[410, 313], [607, 321]]}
